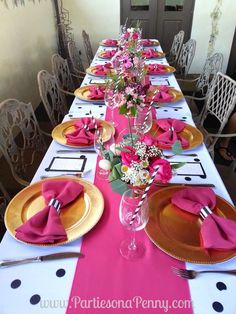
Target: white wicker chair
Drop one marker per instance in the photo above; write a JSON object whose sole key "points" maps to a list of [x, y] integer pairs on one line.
{"points": [[199, 86], [62, 74], [185, 59], [87, 46], [175, 49], [220, 103], [53, 99], [20, 139], [75, 60]]}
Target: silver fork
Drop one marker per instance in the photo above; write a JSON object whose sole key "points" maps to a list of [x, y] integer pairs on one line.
{"points": [[191, 274]]}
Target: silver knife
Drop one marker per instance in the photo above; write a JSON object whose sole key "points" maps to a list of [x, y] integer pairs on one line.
{"points": [[43, 258], [76, 151], [185, 184]]}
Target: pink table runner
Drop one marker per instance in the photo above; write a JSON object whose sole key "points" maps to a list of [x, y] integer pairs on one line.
{"points": [[105, 282]]}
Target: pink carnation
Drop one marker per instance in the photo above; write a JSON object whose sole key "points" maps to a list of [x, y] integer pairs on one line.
{"points": [[129, 155], [164, 173]]}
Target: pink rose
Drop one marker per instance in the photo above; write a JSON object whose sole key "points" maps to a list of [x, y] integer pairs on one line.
{"points": [[129, 155], [148, 140], [164, 173], [135, 35]]}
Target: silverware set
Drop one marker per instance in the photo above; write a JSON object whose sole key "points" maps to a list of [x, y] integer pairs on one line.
{"points": [[192, 274]]}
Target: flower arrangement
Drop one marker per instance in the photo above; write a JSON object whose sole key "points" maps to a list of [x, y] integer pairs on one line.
{"points": [[130, 38], [134, 165]]}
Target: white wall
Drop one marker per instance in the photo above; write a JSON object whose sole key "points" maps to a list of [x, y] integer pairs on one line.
{"points": [[99, 18], [201, 30], [28, 39]]}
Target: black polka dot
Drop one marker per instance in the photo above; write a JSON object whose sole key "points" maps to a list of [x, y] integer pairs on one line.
{"points": [[184, 118], [196, 159], [166, 110], [187, 179], [35, 299], [221, 286], [60, 272], [15, 283], [176, 109], [79, 107], [218, 307]]}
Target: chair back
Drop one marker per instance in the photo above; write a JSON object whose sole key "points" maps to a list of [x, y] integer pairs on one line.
{"points": [[20, 138], [4, 200], [176, 47], [62, 73], [212, 65], [221, 100], [75, 60], [87, 46], [52, 98], [186, 56]]}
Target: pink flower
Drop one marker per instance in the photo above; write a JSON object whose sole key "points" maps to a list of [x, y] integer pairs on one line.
{"points": [[128, 156], [148, 140], [126, 35], [164, 173], [135, 35]]}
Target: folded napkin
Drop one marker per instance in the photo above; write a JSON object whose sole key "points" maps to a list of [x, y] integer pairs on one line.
{"points": [[216, 232], [96, 92], [109, 53], [103, 69], [83, 134], [45, 226], [111, 42], [150, 53], [156, 69], [171, 128], [146, 42], [161, 96]]}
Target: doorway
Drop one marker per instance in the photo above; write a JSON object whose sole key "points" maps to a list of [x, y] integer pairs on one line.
{"points": [[160, 19]]}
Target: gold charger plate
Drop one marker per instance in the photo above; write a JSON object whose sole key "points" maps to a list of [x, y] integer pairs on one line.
{"points": [[160, 55], [103, 43], [102, 54], [58, 133], [190, 133], [91, 71], [154, 42], [78, 217], [177, 95], [176, 232], [83, 92], [168, 69]]}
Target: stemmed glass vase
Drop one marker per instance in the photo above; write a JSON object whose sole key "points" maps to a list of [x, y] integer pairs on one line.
{"points": [[143, 120], [109, 99], [130, 248], [102, 142]]}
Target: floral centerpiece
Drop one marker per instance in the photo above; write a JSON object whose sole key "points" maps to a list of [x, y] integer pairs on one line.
{"points": [[134, 165]]}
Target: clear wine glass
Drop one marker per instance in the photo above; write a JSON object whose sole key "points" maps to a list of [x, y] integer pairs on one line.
{"points": [[143, 120], [130, 248], [102, 142], [110, 103]]}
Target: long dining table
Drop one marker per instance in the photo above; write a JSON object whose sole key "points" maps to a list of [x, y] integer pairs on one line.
{"points": [[103, 281]]}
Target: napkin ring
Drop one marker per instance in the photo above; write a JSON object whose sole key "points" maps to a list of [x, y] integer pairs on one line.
{"points": [[171, 129], [204, 212], [86, 127], [56, 204]]}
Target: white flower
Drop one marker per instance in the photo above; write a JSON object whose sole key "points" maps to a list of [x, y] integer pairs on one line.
{"points": [[105, 164], [114, 150]]}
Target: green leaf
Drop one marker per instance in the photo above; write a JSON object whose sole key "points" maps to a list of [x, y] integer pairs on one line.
{"points": [[123, 109], [133, 111], [115, 161], [177, 165], [177, 148], [119, 186]]}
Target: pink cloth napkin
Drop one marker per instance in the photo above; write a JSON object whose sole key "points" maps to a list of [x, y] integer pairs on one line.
{"points": [[83, 134], [150, 53], [103, 69], [147, 42], [161, 96], [46, 226], [108, 54], [171, 128], [111, 42], [96, 92], [216, 232], [156, 68]]}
